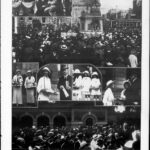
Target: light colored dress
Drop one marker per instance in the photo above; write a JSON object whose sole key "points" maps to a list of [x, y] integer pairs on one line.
{"points": [[44, 83], [30, 85], [78, 84], [86, 84], [108, 98], [95, 86], [133, 61], [17, 89]]}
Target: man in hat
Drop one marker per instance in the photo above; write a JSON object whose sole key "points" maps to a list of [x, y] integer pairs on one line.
{"points": [[44, 88], [108, 98], [65, 84], [17, 88], [30, 86]]}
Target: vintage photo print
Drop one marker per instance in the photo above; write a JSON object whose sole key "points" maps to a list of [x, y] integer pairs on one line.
{"points": [[76, 75]]}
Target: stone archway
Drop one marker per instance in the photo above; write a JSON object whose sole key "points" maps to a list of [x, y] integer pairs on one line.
{"points": [[89, 119], [43, 121], [59, 121], [26, 121]]}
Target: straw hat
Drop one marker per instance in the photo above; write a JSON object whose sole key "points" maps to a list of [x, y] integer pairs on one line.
{"points": [[46, 69], [109, 83]]}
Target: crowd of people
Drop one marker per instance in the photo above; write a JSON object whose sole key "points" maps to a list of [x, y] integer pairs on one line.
{"points": [[42, 7], [113, 48], [98, 137]]}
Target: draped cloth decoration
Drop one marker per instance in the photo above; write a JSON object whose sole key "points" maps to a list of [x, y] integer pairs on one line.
{"points": [[16, 4], [25, 4], [28, 4]]}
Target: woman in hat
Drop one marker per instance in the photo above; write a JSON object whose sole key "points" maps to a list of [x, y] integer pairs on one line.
{"points": [[44, 88], [17, 88], [126, 85], [95, 86], [86, 84], [109, 99], [77, 84], [30, 85]]}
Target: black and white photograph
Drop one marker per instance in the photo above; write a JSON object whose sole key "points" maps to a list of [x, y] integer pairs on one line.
{"points": [[105, 37], [76, 80], [67, 127], [77, 75]]}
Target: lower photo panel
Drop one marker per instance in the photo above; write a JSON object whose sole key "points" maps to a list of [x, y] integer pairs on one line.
{"points": [[68, 127]]}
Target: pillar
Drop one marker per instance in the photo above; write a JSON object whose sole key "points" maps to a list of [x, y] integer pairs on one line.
{"points": [[15, 25]]}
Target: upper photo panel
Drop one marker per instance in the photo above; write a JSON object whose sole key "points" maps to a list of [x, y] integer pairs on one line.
{"points": [[105, 33], [42, 7]]}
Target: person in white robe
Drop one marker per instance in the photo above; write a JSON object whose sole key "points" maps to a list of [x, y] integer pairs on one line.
{"points": [[30, 85], [44, 88], [95, 86], [86, 84], [133, 60], [17, 88], [77, 84], [94, 143], [108, 98]]}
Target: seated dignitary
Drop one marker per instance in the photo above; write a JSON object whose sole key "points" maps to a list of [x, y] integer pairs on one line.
{"points": [[65, 84], [108, 98], [17, 88], [44, 88], [30, 85]]}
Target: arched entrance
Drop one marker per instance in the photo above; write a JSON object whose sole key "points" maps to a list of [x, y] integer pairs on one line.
{"points": [[43, 121], [59, 121], [26, 121], [89, 122]]}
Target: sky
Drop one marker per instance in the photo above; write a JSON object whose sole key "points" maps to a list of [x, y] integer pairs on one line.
{"points": [[119, 4]]}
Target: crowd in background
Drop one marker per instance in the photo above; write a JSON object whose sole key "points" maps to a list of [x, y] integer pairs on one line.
{"points": [[98, 137], [119, 47], [42, 7]]}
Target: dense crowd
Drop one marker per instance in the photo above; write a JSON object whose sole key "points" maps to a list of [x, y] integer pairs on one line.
{"points": [[97, 137], [42, 7], [115, 47]]}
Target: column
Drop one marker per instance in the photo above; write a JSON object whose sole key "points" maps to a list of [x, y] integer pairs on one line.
{"points": [[15, 25]]}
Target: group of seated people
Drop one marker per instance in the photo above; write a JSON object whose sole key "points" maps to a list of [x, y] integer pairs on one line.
{"points": [[98, 137], [112, 48]]}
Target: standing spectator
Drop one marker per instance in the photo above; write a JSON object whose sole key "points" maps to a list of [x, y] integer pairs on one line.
{"points": [[133, 60], [86, 84], [95, 86], [44, 88], [17, 88], [30, 85], [65, 84], [109, 98]]}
